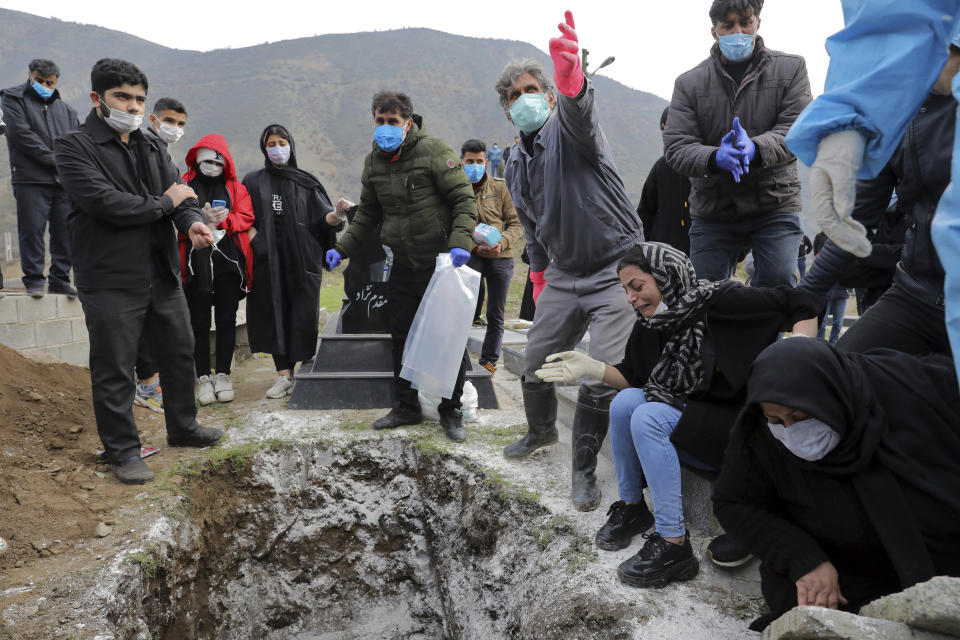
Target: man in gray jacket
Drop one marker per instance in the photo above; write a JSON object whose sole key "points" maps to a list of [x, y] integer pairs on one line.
{"points": [[578, 223], [728, 119]]}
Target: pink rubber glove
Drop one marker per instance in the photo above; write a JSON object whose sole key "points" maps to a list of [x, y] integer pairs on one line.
{"points": [[539, 282], [565, 52]]}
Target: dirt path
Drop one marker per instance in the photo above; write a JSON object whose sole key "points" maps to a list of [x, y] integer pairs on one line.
{"points": [[64, 515]]}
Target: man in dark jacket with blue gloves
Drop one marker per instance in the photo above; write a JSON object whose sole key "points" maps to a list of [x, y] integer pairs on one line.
{"points": [[728, 119], [415, 190], [35, 117]]}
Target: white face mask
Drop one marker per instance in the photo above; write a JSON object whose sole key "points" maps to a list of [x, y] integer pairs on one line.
{"points": [[169, 133], [279, 154], [120, 121], [210, 169], [661, 308], [808, 439]]}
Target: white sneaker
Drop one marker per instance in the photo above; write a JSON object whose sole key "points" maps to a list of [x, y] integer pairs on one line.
{"points": [[205, 393], [282, 387], [223, 387]]}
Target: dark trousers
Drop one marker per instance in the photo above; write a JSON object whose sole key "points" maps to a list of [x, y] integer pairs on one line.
{"points": [[116, 318], [224, 299], [146, 365], [835, 310], [497, 272], [38, 205], [901, 322], [405, 291]]}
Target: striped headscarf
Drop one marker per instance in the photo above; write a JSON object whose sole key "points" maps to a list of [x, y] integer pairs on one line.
{"points": [[680, 367]]}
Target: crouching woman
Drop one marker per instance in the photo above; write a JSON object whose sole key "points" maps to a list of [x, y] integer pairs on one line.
{"points": [[682, 381], [842, 474]]}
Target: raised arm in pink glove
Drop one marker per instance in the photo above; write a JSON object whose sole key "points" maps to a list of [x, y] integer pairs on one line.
{"points": [[565, 52]]}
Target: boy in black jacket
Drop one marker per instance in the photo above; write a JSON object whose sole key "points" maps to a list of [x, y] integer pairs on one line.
{"points": [[127, 199]]}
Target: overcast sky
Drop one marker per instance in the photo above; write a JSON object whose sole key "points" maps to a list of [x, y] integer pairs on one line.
{"points": [[653, 41]]}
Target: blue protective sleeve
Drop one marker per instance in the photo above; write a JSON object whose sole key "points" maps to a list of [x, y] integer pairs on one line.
{"points": [[883, 64]]}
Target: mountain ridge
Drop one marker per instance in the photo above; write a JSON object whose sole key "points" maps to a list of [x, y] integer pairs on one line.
{"points": [[320, 88]]}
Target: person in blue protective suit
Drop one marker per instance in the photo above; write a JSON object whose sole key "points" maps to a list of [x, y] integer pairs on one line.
{"points": [[883, 64], [909, 316]]}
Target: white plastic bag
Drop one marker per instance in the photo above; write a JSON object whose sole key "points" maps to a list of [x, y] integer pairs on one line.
{"points": [[469, 401], [439, 332]]}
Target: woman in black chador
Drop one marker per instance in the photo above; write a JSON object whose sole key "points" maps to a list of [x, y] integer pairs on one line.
{"points": [[296, 225], [842, 474]]}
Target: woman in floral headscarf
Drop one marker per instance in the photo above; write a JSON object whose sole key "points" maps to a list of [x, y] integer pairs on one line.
{"points": [[682, 383]]}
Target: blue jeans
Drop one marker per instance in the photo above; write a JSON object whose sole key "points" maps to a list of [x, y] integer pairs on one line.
{"points": [[836, 307], [640, 438], [715, 246]]}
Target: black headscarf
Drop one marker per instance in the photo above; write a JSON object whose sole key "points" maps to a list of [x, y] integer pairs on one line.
{"points": [[680, 367], [290, 176], [898, 417]]}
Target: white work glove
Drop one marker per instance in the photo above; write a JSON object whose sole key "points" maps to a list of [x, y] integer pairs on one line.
{"points": [[571, 366], [343, 205], [833, 190]]}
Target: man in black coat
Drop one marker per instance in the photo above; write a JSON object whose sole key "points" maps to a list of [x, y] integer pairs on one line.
{"points": [[664, 207], [35, 117], [128, 204]]}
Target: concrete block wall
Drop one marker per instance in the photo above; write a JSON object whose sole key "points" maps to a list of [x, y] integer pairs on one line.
{"points": [[51, 327], [54, 328]]}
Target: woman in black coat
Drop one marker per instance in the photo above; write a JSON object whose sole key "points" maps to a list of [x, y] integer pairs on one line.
{"points": [[296, 225], [682, 381], [842, 474]]}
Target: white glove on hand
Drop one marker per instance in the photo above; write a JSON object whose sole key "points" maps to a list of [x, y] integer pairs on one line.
{"points": [[343, 205], [571, 366], [833, 190]]}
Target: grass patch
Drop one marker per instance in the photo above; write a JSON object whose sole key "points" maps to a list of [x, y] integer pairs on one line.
{"points": [[235, 458], [147, 560]]}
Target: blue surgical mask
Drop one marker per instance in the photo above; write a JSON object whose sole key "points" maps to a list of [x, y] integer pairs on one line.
{"points": [[808, 439], [530, 111], [737, 47], [475, 172], [388, 137], [42, 91]]}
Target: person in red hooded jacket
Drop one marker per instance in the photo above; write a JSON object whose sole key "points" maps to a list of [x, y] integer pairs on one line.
{"points": [[220, 275]]}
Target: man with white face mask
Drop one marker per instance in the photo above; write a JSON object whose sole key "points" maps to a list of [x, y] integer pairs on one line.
{"points": [[127, 199], [167, 121]]}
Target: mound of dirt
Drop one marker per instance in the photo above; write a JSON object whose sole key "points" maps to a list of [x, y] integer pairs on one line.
{"points": [[53, 493]]}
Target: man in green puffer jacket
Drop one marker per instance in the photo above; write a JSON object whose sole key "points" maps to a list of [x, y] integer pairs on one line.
{"points": [[414, 185]]}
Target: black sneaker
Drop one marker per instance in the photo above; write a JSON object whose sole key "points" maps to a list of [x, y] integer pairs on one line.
{"points": [[62, 288], [199, 437], [726, 552], [452, 424], [659, 563], [398, 417], [132, 471], [625, 521]]}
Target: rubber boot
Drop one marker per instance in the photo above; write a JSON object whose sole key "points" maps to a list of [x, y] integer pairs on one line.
{"points": [[590, 423], [540, 405]]}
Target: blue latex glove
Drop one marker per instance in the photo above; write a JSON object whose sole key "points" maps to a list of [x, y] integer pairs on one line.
{"points": [[748, 150], [728, 156], [333, 258], [459, 256]]}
